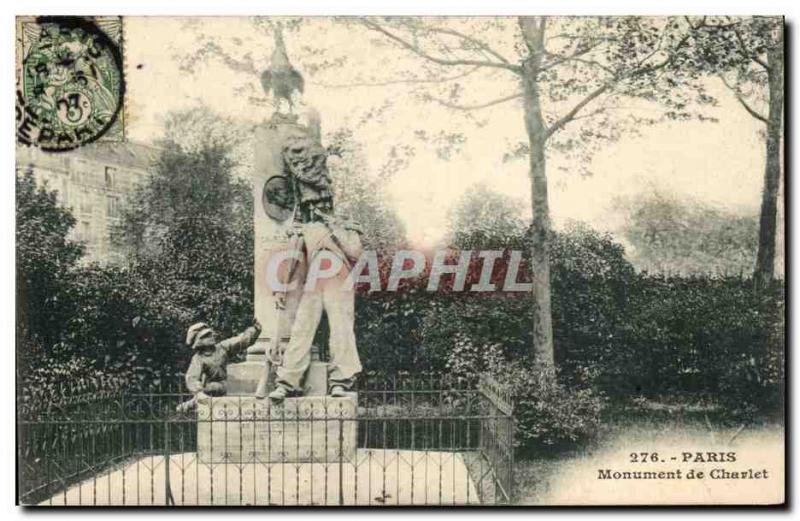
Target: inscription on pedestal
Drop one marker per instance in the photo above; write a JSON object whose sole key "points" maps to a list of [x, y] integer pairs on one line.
{"points": [[243, 429]]}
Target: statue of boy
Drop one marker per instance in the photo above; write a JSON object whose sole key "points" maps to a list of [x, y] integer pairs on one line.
{"points": [[208, 370]]}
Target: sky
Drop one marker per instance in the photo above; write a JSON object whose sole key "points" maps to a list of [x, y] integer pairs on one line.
{"points": [[715, 163]]}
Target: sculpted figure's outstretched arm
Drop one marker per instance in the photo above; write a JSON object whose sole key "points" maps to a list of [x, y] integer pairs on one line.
{"points": [[242, 341]]}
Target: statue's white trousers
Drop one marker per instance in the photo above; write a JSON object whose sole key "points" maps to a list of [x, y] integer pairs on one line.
{"points": [[338, 303]]}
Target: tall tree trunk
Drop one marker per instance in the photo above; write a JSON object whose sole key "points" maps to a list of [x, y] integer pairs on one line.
{"points": [[765, 261], [533, 32]]}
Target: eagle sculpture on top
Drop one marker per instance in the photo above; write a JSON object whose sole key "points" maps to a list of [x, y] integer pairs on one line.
{"points": [[281, 78]]}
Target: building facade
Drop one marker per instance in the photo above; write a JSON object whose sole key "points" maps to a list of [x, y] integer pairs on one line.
{"points": [[93, 181]]}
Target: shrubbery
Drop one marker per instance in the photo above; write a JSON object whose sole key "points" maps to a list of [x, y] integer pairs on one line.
{"points": [[709, 337], [548, 413]]}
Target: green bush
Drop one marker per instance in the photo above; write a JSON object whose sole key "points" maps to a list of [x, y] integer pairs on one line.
{"points": [[753, 383], [482, 320], [701, 336], [467, 361], [590, 282], [633, 334], [121, 324], [44, 259], [388, 330], [549, 415]]}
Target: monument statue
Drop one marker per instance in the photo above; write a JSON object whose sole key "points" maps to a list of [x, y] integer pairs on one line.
{"points": [[306, 164], [331, 296], [294, 186], [281, 78], [207, 374], [293, 212]]}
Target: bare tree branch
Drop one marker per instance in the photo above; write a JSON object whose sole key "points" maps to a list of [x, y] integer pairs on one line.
{"points": [[740, 98], [559, 59], [569, 116], [212, 49], [476, 106], [592, 63], [435, 59], [478, 43], [397, 81], [590, 114]]}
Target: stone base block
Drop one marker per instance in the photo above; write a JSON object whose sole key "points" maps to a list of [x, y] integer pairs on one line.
{"points": [[243, 429], [243, 377]]}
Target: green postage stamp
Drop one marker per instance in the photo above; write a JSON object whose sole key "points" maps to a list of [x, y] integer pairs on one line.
{"points": [[70, 84]]}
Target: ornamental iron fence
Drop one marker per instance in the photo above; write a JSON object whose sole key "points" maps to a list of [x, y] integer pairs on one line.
{"points": [[400, 440]]}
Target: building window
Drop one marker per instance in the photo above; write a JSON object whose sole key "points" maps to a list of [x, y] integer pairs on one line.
{"points": [[85, 202], [113, 207], [111, 173]]}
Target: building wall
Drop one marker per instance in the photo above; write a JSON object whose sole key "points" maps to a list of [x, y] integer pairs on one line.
{"points": [[94, 182]]}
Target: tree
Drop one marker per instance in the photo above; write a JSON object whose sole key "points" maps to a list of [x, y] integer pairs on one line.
{"points": [[485, 219], [45, 259], [200, 127], [680, 236], [565, 70], [190, 232], [748, 56]]}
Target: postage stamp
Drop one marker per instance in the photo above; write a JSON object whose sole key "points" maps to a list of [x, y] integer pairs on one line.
{"points": [[70, 81]]}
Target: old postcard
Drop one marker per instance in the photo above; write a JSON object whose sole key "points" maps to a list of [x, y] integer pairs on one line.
{"points": [[391, 261]]}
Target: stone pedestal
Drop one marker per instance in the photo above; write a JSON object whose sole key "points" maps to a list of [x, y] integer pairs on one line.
{"points": [[243, 429], [243, 377]]}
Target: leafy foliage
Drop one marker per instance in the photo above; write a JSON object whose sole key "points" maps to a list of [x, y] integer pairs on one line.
{"points": [[738, 50], [388, 330], [548, 414], [120, 328], [361, 196], [703, 336], [45, 255], [485, 219], [674, 236], [45, 259], [591, 281], [190, 233]]}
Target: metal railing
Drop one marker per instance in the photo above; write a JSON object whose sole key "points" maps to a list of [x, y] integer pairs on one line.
{"points": [[403, 441]]}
